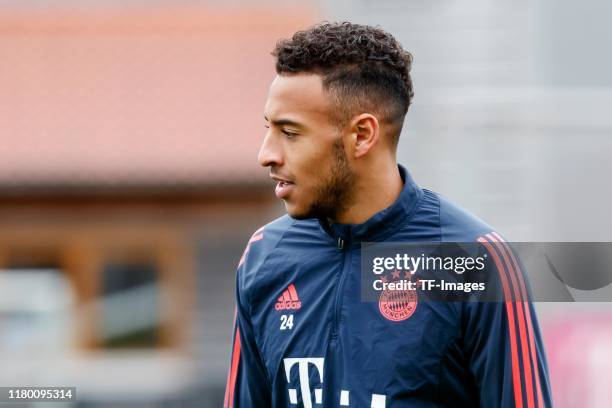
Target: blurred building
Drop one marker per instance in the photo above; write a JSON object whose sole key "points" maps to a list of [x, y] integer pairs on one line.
{"points": [[128, 189], [129, 184]]}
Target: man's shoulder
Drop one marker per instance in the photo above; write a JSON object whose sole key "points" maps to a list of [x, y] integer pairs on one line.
{"points": [[456, 223], [275, 229], [285, 230], [265, 238], [272, 245]]}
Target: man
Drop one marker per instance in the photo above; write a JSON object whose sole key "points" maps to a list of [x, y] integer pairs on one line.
{"points": [[304, 337]]}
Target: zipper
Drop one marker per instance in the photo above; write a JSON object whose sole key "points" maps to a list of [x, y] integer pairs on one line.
{"points": [[339, 289]]}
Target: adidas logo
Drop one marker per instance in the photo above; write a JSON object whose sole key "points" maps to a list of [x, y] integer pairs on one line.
{"points": [[289, 300]]}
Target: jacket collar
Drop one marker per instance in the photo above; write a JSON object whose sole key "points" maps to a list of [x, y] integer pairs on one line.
{"points": [[382, 223]]}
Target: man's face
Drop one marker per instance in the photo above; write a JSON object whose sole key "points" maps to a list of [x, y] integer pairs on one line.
{"points": [[304, 150]]}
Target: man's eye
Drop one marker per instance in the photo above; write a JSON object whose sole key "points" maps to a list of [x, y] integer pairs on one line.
{"points": [[289, 134]]}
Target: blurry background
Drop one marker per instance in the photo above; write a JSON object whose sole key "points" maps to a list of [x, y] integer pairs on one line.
{"points": [[129, 184]]}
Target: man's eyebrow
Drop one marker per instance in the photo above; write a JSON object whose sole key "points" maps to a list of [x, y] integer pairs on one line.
{"points": [[285, 122]]}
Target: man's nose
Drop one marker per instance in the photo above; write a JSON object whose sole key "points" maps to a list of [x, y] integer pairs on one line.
{"points": [[270, 153]]}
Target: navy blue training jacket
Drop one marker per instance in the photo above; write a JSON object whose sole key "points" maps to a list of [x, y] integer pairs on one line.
{"points": [[303, 337]]}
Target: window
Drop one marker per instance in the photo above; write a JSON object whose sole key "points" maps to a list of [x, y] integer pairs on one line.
{"points": [[130, 306]]}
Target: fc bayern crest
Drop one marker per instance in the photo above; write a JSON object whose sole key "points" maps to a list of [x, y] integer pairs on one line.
{"points": [[397, 305]]}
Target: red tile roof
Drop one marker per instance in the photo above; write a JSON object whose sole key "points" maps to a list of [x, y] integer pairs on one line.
{"points": [[136, 96]]}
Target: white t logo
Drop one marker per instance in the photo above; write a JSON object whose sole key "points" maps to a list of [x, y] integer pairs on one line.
{"points": [[304, 380]]}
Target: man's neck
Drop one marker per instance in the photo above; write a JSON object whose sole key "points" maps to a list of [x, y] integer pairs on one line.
{"points": [[374, 191]]}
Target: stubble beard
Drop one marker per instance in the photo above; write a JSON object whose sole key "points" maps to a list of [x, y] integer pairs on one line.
{"points": [[334, 194]]}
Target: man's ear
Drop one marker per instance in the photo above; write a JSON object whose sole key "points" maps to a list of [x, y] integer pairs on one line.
{"points": [[365, 132]]}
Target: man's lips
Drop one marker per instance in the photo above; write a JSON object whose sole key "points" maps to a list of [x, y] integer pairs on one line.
{"points": [[278, 178], [283, 187]]}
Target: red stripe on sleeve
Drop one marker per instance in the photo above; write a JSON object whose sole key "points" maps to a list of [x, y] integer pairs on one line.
{"points": [[516, 377], [534, 356], [229, 374], [233, 374], [259, 230], [519, 301], [254, 238]]}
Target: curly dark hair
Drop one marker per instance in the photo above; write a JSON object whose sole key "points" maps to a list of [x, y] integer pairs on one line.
{"points": [[364, 68]]}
